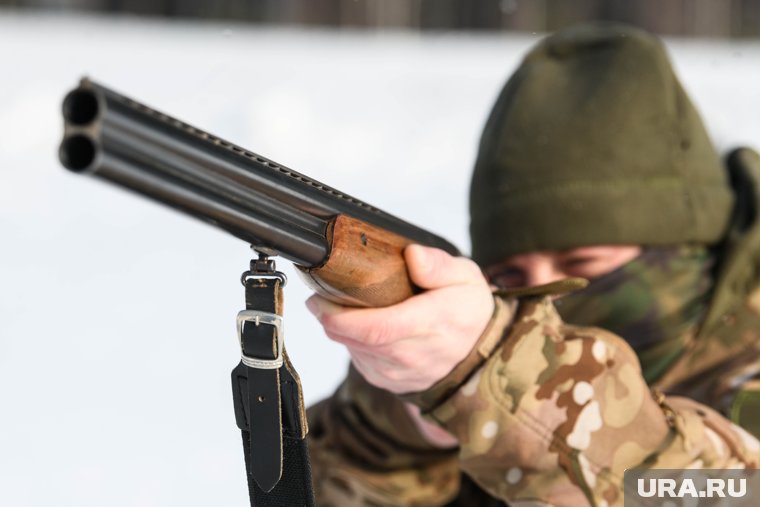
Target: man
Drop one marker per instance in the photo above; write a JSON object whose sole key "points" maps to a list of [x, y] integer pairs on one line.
{"points": [[593, 164]]}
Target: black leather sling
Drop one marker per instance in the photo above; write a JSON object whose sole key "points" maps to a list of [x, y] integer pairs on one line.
{"points": [[269, 407]]}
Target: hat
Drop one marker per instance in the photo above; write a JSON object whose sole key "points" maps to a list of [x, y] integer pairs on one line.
{"points": [[594, 141]]}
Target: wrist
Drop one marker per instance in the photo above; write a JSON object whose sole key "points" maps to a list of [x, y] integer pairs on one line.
{"points": [[431, 432], [489, 340]]}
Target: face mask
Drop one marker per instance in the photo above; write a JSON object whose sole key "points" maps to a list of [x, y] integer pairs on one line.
{"points": [[655, 302]]}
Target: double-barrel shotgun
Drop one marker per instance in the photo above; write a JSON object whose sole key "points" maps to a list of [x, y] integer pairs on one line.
{"points": [[347, 250]]}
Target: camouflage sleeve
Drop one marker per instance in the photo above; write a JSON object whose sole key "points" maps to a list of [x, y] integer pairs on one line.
{"points": [[557, 413], [367, 451], [736, 391]]}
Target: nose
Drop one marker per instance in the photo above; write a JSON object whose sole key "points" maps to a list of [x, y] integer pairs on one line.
{"points": [[541, 272]]}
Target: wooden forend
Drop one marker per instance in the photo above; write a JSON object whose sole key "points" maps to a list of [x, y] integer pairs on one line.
{"points": [[365, 266]]}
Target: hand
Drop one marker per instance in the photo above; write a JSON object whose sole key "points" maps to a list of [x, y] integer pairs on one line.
{"points": [[409, 346]]}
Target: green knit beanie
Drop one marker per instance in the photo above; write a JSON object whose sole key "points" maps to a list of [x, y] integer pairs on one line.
{"points": [[593, 141]]}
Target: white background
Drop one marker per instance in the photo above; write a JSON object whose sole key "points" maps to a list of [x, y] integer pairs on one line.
{"points": [[117, 315]]}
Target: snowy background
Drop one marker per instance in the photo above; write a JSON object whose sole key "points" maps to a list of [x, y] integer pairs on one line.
{"points": [[117, 315]]}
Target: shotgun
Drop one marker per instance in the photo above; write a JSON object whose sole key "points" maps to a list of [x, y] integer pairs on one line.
{"points": [[346, 249]]}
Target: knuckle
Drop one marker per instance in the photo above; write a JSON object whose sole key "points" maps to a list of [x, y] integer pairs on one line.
{"points": [[430, 269], [334, 336], [329, 323], [405, 360], [389, 373], [378, 334], [440, 260], [471, 268], [392, 353]]}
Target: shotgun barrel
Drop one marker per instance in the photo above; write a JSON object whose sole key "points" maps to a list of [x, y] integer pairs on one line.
{"points": [[276, 209]]}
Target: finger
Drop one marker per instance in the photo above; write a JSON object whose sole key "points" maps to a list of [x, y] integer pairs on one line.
{"points": [[351, 343], [432, 268], [370, 326], [319, 306]]}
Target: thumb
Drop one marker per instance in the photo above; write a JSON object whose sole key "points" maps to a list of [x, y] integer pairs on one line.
{"points": [[433, 268]]}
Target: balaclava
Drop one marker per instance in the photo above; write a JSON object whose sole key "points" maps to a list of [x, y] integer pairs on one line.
{"points": [[656, 302]]}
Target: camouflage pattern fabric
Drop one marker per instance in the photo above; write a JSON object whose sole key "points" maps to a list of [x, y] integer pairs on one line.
{"points": [[745, 408], [365, 450], [721, 368], [654, 302], [553, 416]]}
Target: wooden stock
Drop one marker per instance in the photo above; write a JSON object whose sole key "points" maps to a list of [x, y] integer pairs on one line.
{"points": [[365, 266]]}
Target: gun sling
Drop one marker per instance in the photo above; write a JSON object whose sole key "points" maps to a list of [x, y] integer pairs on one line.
{"points": [[268, 400]]}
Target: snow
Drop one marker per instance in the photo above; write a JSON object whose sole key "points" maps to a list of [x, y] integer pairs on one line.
{"points": [[117, 316]]}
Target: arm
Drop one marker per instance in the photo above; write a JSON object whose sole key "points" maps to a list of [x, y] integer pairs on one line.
{"points": [[366, 446], [555, 412], [366, 450], [560, 412]]}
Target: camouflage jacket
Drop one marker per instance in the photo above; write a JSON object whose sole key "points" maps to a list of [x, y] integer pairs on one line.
{"points": [[551, 414], [546, 414]]}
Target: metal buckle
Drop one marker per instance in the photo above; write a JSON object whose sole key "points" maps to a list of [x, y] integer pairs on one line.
{"points": [[263, 268], [258, 318], [253, 275]]}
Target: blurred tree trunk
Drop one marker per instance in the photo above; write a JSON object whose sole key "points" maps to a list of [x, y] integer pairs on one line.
{"points": [[702, 18]]}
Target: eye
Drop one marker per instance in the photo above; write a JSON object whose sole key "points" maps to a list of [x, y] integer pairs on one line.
{"points": [[507, 277], [576, 262]]}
